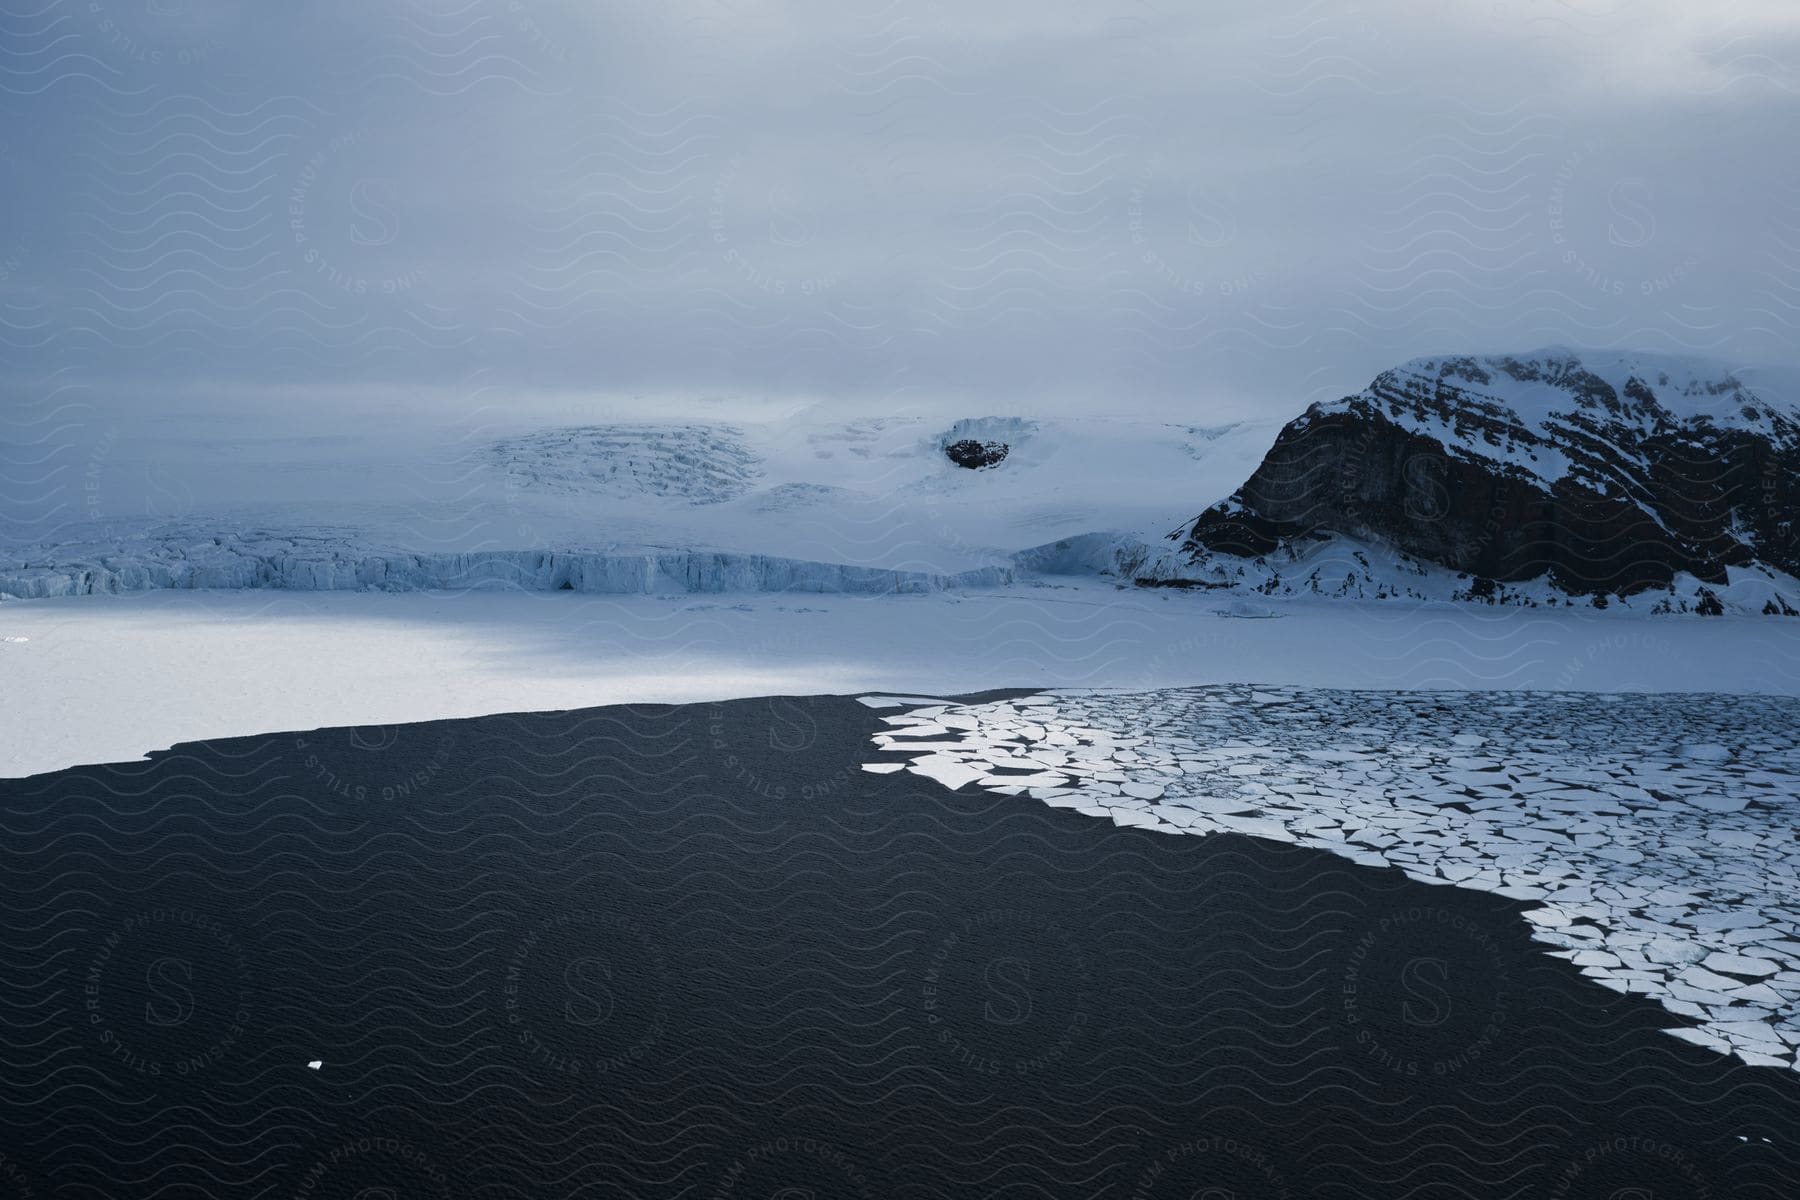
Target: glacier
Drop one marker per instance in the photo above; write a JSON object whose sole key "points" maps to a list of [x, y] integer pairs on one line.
{"points": [[318, 563]]}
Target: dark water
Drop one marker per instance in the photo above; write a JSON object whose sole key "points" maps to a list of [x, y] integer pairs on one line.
{"points": [[695, 951]]}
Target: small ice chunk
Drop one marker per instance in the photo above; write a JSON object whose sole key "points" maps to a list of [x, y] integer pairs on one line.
{"points": [[1737, 964], [1705, 751]]}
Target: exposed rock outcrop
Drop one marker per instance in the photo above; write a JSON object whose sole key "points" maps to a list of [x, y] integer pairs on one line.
{"points": [[975, 455], [1603, 474]]}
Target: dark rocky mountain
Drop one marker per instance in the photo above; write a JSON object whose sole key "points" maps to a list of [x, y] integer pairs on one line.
{"points": [[1596, 474]]}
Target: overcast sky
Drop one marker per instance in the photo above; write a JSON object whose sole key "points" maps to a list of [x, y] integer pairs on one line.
{"points": [[1204, 205]]}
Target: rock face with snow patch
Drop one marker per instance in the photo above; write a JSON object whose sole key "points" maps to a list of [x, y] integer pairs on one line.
{"points": [[978, 443], [1603, 473]]}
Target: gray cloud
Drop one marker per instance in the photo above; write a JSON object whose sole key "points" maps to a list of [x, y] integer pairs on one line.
{"points": [[1216, 206]]}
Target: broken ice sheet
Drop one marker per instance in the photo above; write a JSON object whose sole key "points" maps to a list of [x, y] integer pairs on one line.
{"points": [[1655, 845]]}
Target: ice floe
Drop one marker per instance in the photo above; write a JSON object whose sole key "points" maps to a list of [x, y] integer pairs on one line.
{"points": [[1654, 833]]}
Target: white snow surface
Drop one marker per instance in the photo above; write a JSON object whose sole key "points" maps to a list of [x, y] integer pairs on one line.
{"points": [[1524, 411], [1356, 569], [1687, 387], [135, 491], [110, 678]]}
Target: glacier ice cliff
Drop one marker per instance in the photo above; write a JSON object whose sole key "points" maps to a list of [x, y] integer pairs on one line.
{"points": [[300, 562]]}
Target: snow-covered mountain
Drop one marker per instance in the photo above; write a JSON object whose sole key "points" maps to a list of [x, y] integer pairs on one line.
{"points": [[1551, 478], [1633, 482], [598, 499]]}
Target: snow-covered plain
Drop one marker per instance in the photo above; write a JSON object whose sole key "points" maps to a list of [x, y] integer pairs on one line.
{"points": [[106, 678]]}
